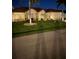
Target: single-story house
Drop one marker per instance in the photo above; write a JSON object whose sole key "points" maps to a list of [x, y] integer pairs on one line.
{"points": [[22, 14]]}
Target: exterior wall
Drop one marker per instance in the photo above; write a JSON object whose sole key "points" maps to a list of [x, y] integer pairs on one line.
{"points": [[22, 16], [18, 16], [53, 15], [33, 14], [26, 15], [64, 17], [41, 15]]}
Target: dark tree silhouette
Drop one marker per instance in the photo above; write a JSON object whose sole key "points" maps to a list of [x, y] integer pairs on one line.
{"points": [[60, 2]]}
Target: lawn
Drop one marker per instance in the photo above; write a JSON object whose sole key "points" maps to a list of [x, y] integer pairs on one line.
{"points": [[19, 29]]}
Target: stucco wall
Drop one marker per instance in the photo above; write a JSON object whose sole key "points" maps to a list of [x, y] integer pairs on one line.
{"points": [[41, 15], [54, 15], [18, 16], [33, 14]]}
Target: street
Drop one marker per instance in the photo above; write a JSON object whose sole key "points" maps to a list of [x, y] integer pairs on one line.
{"points": [[47, 45]]}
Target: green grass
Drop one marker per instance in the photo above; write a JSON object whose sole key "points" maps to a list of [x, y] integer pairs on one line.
{"points": [[19, 29]]}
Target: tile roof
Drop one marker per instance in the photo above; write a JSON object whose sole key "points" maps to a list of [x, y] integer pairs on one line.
{"points": [[23, 9], [19, 9]]}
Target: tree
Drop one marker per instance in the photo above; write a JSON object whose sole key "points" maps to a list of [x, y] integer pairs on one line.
{"points": [[61, 2], [30, 5]]}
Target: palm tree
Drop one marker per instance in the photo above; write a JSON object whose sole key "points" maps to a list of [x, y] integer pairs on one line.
{"points": [[30, 4], [61, 2]]}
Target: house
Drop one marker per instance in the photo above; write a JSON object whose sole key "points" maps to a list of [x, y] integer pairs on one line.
{"points": [[22, 14]]}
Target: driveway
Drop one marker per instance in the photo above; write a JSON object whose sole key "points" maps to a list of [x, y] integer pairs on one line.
{"points": [[47, 45]]}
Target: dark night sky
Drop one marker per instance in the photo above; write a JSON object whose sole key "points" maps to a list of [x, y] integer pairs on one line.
{"points": [[51, 4]]}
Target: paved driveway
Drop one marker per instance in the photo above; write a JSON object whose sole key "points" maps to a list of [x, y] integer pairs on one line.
{"points": [[47, 45]]}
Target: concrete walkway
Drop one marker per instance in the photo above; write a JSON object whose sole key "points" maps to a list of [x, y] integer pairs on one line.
{"points": [[47, 45]]}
